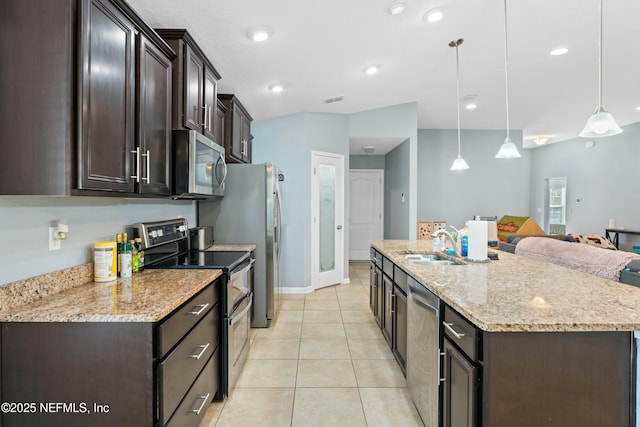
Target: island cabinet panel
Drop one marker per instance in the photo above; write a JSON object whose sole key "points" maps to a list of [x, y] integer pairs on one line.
{"points": [[557, 379], [78, 364]]}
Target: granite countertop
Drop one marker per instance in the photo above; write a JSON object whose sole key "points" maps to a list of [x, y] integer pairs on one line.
{"points": [[236, 247], [146, 297], [516, 294]]}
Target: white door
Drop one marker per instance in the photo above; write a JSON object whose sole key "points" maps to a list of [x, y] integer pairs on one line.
{"points": [[327, 222], [365, 220]]}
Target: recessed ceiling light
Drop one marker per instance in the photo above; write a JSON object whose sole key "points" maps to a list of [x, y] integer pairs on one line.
{"points": [[276, 88], [638, 108], [371, 69], [559, 51], [259, 34], [396, 8], [433, 15], [471, 106], [541, 139]]}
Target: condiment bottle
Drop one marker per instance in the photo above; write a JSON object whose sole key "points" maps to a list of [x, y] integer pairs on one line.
{"points": [[125, 260], [118, 249], [134, 256], [140, 253]]}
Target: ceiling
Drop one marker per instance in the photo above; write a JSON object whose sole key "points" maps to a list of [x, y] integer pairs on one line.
{"points": [[319, 49]]}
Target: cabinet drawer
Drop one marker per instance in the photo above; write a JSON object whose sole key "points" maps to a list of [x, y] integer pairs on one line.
{"points": [[461, 332], [178, 324], [400, 278], [181, 367], [197, 401], [387, 267]]}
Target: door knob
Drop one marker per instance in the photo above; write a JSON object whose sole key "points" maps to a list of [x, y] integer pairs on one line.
{"points": [[339, 227]]}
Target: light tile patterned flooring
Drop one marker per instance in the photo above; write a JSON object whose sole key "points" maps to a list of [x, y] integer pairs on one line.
{"points": [[323, 363]]}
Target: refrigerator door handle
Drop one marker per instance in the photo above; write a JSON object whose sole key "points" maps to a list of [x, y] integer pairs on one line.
{"points": [[279, 221]]}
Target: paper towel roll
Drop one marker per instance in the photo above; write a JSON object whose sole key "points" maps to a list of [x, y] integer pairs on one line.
{"points": [[477, 241]]}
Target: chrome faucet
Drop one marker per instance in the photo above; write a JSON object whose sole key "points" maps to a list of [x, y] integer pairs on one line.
{"points": [[451, 239]]}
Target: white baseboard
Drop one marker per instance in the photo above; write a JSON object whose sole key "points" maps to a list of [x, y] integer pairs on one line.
{"points": [[345, 281], [295, 290]]}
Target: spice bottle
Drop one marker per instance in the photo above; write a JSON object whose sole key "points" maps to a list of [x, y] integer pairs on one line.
{"points": [[134, 256], [125, 260], [140, 253]]}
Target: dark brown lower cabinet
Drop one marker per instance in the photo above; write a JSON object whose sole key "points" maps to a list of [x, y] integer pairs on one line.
{"points": [[106, 374], [460, 389], [400, 327], [387, 313]]}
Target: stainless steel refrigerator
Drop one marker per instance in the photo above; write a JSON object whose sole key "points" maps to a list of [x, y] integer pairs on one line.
{"points": [[250, 213]]}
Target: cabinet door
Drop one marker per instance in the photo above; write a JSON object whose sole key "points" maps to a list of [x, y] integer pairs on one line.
{"points": [[108, 87], [218, 125], [209, 105], [387, 315], [400, 327], [380, 297], [373, 291], [236, 144], [246, 139], [459, 397], [153, 164], [193, 90]]}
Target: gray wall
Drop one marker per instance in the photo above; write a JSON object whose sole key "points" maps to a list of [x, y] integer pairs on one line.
{"points": [[396, 193], [287, 142], [489, 187], [604, 177], [357, 161], [25, 221]]}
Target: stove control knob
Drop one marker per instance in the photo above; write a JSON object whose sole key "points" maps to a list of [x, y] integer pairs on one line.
{"points": [[160, 233], [153, 233]]}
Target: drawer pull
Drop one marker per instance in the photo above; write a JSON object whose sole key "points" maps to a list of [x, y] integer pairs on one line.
{"points": [[199, 355], [449, 326], [204, 401], [203, 307]]}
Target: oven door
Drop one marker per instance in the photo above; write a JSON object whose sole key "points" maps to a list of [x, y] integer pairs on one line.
{"points": [[238, 350]]}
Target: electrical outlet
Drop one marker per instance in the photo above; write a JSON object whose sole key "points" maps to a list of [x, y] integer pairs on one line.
{"points": [[54, 244]]}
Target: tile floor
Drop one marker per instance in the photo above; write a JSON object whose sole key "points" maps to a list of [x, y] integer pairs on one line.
{"points": [[323, 363]]}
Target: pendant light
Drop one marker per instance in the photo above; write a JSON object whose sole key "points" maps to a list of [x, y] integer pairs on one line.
{"points": [[508, 149], [458, 164], [601, 123]]}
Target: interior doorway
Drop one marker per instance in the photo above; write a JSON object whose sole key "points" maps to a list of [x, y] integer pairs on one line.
{"points": [[327, 222], [366, 211]]}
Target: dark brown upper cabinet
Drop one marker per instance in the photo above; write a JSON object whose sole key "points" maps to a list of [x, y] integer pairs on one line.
{"points": [[195, 85], [153, 151], [237, 137], [77, 130]]}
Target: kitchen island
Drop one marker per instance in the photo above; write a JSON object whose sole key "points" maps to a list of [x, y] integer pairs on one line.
{"points": [[142, 351], [550, 346]]}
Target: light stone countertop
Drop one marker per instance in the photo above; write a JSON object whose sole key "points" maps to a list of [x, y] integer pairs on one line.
{"points": [[146, 297], [516, 294]]}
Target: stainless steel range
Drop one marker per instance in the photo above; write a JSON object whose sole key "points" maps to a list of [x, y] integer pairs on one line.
{"points": [[166, 245]]}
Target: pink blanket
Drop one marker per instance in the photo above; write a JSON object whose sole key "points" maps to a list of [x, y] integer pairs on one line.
{"points": [[589, 259]]}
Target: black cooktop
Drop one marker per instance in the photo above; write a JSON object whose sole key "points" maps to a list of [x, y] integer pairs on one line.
{"points": [[224, 260]]}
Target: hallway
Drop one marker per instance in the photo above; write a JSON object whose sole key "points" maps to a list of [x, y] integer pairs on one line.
{"points": [[324, 363]]}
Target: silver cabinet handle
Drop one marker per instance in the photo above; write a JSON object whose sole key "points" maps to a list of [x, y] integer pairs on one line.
{"points": [[199, 312], [137, 172], [449, 327], [440, 379], [204, 400], [199, 355], [148, 177], [393, 305]]}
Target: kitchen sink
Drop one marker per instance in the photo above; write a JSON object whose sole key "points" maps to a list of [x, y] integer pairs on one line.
{"points": [[431, 259]]}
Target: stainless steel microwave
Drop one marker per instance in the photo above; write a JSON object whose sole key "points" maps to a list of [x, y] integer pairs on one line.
{"points": [[199, 168]]}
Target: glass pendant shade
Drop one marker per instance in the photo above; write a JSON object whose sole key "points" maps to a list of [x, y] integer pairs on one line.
{"points": [[600, 124], [459, 164], [508, 150]]}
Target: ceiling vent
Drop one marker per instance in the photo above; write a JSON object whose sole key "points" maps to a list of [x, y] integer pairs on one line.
{"points": [[332, 100]]}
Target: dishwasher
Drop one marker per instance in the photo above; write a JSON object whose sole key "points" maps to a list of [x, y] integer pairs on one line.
{"points": [[423, 351]]}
